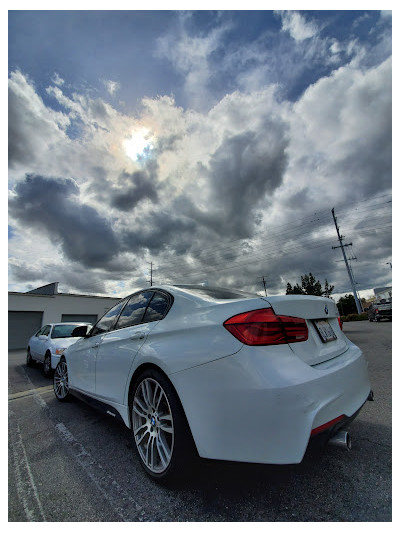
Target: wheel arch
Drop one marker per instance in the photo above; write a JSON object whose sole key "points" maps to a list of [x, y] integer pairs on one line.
{"points": [[139, 370]]}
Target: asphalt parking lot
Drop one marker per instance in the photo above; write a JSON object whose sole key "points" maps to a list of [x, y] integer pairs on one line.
{"points": [[68, 462]]}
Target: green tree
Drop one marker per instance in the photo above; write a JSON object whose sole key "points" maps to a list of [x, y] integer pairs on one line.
{"points": [[328, 289], [310, 285], [294, 290], [347, 305]]}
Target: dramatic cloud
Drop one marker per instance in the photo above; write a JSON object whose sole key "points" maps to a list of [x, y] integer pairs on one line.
{"points": [[349, 142], [132, 189], [191, 56], [33, 129], [52, 205], [230, 180]]}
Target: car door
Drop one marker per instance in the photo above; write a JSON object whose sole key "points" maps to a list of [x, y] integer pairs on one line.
{"points": [[82, 354], [34, 341], [40, 342], [119, 347]]}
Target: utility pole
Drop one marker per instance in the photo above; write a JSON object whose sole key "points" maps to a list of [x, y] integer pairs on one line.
{"points": [[265, 287], [341, 245], [151, 275]]}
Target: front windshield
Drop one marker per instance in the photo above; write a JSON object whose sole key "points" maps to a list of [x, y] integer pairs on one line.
{"points": [[62, 331]]}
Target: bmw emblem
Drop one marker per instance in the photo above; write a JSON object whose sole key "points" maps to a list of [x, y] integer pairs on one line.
{"points": [[326, 309]]}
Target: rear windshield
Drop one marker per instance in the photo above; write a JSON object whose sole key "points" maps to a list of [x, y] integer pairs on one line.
{"points": [[215, 293], [63, 331]]}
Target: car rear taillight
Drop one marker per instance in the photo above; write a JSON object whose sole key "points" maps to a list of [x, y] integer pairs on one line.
{"points": [[340, 322], [263, 327]]}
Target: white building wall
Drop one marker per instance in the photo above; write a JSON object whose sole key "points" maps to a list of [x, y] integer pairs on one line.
{"points": [[55, 306]]}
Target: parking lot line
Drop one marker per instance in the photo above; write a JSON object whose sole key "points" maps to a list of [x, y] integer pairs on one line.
{"points": [[30, 392]]}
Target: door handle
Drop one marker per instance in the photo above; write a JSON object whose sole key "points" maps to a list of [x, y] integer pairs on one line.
{"points": [[96, 344], [137, 336]]}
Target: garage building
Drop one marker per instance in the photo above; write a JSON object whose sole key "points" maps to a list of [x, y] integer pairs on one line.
{"points": [[29, 311]]}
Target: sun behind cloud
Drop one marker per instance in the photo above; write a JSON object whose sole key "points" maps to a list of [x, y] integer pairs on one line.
{"points": [[139, 144]]}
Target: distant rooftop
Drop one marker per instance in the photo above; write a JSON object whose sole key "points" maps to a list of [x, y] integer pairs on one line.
{"points": [[49, 290], [379, 290]]}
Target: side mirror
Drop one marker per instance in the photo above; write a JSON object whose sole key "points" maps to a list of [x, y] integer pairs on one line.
{"points": [[80, 331]]}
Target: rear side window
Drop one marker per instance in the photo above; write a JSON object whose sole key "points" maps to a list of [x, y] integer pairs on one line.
{"points": [[157, 308], [108, 320], [134, 310]]}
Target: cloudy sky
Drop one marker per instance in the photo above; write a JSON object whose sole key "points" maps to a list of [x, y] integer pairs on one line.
{"points": [[213, 145]]}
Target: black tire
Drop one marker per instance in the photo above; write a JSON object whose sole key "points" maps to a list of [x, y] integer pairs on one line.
{"points": [[29, 360], [162, 438], [47, 365], [60, 382]]}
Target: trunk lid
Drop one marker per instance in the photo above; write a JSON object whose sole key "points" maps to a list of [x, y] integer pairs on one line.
{"points": [[325, 338]]}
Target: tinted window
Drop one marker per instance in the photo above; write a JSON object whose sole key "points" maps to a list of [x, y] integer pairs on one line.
{"points": [[40, 332], [215, 293], [134, 310], [157, 308], [45, 330], [108, 320]]}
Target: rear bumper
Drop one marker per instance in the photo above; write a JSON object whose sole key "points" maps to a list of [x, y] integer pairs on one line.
{"points": [[322, 437], [261, 407]]}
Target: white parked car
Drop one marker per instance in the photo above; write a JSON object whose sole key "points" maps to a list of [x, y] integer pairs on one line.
{"points": [[230, 375], [50, 342]]}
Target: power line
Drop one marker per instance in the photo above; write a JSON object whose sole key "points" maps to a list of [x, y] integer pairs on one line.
{"points": [[252, 261], [273, 234], [269, 248], [253, 258]]}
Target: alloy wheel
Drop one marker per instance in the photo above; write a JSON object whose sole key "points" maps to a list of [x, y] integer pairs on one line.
{"points": [[60, 382], [153, 426], [46, 365]]}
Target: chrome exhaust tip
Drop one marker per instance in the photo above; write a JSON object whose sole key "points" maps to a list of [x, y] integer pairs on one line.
{"points": [[341, 439]]}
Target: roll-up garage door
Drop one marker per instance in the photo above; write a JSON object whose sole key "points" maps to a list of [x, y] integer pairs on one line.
{"points": [[79, 318], [21, 326]]}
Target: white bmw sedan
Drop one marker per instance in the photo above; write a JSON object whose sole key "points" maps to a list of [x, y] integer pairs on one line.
{"points": [[50, 342], [219, 372]]}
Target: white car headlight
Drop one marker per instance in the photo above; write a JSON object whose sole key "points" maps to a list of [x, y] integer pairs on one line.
{"points": [[60, 351]]}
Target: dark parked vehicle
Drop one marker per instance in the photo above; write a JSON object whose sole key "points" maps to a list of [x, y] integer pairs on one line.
{"points": [[379, 311]]}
